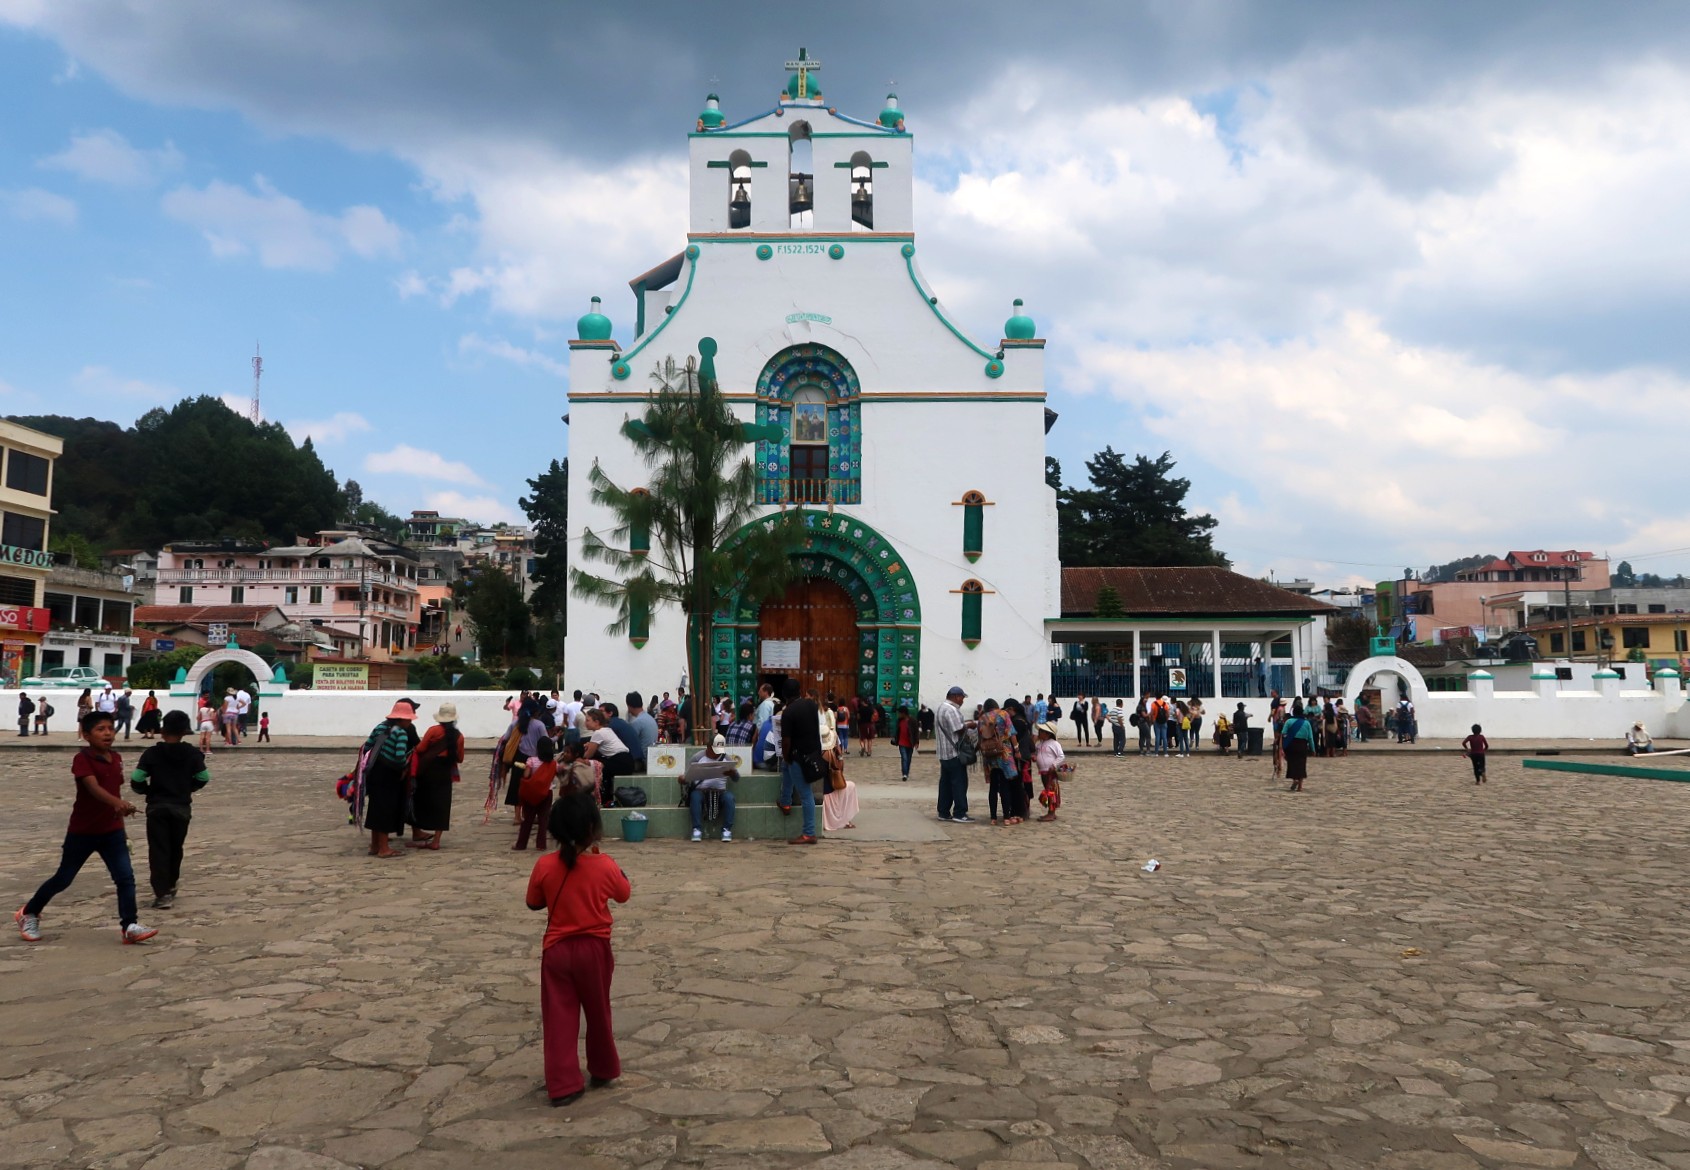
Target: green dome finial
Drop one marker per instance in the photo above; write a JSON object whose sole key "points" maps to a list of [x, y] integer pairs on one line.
{"points": [[711, 118], [1020, 327], [594, 325], [892, 117]]}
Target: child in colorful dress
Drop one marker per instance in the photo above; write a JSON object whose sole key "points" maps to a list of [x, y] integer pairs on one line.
{"points": [[1476, 745], [534, 794], [575, 886], [1048, 758]]}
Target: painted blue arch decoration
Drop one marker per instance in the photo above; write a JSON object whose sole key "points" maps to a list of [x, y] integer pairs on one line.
{"points": [[877, 578], [811, 365]]}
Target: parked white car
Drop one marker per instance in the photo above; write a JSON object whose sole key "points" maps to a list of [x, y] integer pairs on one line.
{"points": [[66, 676]]}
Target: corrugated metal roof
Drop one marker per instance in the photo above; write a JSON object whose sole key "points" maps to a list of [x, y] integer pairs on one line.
{"points": [[1180, 591]]}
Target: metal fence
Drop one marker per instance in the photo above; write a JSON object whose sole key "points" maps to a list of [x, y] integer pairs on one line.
{"points": [[1112, 680]]}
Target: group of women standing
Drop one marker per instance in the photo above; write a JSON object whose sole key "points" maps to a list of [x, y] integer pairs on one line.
{"points": [[404, 779]]}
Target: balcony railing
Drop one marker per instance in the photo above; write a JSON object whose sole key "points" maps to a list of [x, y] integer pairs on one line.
{"points": [[259, 576], [810, 491]]}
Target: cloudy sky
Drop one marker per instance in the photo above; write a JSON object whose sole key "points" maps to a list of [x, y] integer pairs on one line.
{"points": [[1394, 284]]}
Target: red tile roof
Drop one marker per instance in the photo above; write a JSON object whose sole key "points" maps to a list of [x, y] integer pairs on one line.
{"points": [[1530, 556], [1181, 591]]}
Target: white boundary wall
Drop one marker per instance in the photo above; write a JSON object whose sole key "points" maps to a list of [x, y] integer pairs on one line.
{"points": [[297, 714]]}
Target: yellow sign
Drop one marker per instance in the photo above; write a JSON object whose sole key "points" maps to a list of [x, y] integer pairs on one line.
{"points": [[339, 676]]}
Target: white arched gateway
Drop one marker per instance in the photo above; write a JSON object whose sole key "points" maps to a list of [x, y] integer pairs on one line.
{"points": [[1364, 672], [270, 682]]}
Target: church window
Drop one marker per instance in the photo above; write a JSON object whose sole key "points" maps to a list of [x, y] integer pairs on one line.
{"points": [[972, 592], [639, 527], [862, 189], [811, 393], [739, 189], [639, 622], [801, 183], [973, 524], [809, 456]]}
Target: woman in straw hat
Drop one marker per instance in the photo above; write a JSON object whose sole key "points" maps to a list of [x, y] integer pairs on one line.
{"points": [[437, 759], [386, 751]]}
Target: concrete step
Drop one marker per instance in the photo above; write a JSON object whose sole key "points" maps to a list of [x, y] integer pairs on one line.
{"points": [[751, 788], [759, 821]]}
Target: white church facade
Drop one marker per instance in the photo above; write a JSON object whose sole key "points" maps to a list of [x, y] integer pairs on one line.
{"points": [[914, 451]]}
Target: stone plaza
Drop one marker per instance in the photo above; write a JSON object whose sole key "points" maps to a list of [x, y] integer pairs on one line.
{"points": [[1393, 969]]}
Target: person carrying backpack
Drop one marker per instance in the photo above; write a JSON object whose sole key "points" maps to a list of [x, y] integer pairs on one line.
{"points": [[385, 761]]}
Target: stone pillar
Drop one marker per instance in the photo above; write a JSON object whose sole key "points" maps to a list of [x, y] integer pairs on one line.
{"points": [[1296, 660], [1544, 685], [1607, 683], [1215, 652], [1481, 684], [1670, 686], [1138, 679]]}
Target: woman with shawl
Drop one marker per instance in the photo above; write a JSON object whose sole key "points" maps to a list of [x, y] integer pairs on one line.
{"points": [[384, 784], [437, 758]]}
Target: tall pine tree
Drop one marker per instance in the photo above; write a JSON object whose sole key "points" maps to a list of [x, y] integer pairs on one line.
{"points": [[1133, 514]]}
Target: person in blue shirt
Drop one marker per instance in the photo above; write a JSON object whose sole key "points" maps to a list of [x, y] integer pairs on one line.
{"points": [[624, 732]]}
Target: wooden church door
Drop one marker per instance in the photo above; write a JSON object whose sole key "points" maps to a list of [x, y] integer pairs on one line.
{"points": [[821, 617]]}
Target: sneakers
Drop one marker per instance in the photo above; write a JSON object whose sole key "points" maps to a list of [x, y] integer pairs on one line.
{"points": [[943, 817], [29, 925], [698, 834], [802, 840], [962, 820], [136, 933], [164, 901], [727, 834]]}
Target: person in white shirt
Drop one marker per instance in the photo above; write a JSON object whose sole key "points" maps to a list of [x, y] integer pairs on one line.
{"points": [[107, 702], [569, 718], [243, 708]]}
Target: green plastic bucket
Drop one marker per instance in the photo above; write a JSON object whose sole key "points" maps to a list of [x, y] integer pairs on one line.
{"points": [[633, 830]]}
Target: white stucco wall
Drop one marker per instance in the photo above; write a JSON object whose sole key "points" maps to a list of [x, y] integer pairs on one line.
{"points": [[296, 714]]}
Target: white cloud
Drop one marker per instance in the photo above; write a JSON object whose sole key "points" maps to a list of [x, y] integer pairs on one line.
{"points": [[281, 230], [498, 347], [101, 382], [105, 156], [33, 205], [240, 404], [335, 429], [407, 460], [477, 509]]}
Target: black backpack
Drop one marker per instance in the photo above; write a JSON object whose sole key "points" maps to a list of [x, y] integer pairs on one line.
{"points": [[630, 796]]}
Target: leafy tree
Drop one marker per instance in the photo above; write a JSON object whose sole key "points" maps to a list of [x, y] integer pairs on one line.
{"points": [[497, 612], [1624, 575], [1448, 570], [474, 679], [547, 509], [158, 672], [1053, 472], [77, 547], [1133, 514], [197, 469], [701, 492], [425, 674], [520, 678]]}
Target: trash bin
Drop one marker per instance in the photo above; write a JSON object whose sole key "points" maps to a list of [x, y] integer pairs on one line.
{"points": [[634, 829], [1254, 747]]}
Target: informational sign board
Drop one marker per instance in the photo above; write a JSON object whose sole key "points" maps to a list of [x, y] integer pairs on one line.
{"points": [[1176, 679], [340, 676], [164, 645], [780, 654], [217, 633]]}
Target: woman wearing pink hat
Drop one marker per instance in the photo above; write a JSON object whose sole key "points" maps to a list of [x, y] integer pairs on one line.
{"points": [[389, 748]]}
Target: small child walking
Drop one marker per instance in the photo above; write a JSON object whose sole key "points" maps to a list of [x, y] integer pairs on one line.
{"points": [[264, 727], [168, 774], [96, 826], [1476, 745], [534, 795], [1048, 758], [576, 885]]}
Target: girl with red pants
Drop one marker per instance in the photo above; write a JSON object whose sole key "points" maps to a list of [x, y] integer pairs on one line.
{"points": [[575, 886]]}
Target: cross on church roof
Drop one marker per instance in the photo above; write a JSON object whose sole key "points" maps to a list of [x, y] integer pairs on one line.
{"points": [[804, 66]]}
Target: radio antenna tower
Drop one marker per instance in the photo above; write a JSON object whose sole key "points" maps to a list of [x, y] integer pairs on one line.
{"points": [[257, 373]]}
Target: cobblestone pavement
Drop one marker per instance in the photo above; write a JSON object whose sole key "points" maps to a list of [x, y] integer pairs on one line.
{"points": [[1394, 969]]}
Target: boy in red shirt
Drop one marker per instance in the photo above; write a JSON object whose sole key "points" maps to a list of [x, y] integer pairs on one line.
{"points": [[96, 826], [575, 886]]}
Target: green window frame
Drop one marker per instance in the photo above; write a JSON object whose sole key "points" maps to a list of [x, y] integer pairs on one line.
{"points": [[639, 525], [973, 525], [639, 623], [972, 593]]}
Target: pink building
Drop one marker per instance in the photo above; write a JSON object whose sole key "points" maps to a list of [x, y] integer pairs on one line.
{"points": [[1466, 603], [345, 580]]}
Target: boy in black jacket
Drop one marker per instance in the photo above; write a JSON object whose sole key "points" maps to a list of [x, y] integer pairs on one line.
{"points": [[168, 774]]}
